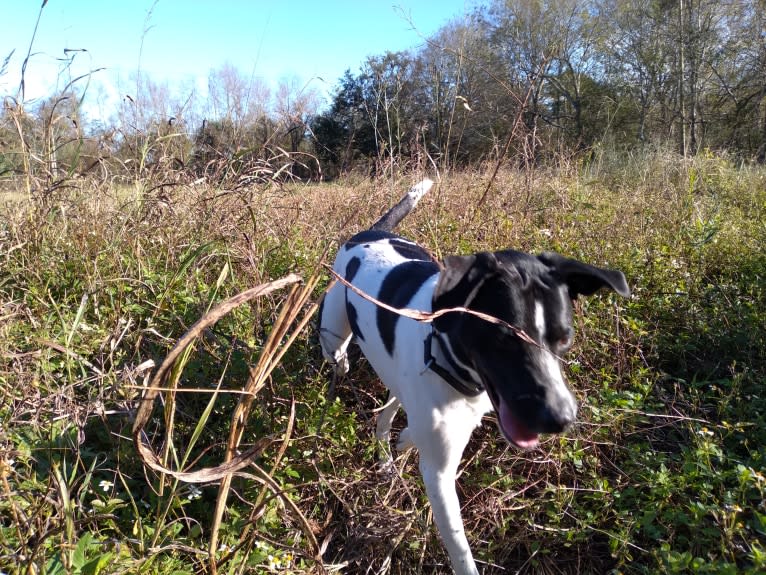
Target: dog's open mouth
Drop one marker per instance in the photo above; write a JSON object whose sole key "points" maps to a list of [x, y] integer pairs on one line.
{"points": [[514, 430]]}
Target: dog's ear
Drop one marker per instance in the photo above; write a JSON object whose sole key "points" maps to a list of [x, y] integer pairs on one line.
{"points": [[461, 277], [585, 279]]}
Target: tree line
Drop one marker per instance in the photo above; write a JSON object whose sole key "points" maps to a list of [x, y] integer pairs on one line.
{"points": [[553, 76], [531, 79]]}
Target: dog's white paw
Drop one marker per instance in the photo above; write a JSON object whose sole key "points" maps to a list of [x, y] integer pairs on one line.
{"points": [[386, 467], [338, 361], [341, 365]]}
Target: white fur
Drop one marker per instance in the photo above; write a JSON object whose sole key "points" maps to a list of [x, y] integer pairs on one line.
{"points": [[551, 366], [420, 189]]}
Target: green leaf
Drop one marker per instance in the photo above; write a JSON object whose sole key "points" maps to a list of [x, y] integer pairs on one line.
{"points": [[55, 566], [80, 553], [95, 566]]}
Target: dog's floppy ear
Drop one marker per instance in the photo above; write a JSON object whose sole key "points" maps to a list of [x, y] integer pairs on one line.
{"points": [[460, 280], [585, 279]]}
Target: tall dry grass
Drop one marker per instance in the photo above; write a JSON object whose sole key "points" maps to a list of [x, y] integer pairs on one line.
{"points": [[98, 283]]}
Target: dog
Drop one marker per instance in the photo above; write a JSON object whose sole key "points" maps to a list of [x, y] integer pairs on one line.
{"points": [[448, 373]]}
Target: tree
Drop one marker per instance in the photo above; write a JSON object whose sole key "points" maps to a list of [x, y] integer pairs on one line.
{"points": [[344, 132], [154, 126], [296, 103]]}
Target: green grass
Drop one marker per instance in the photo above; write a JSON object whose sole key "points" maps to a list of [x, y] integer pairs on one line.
{"points": [[664, 472]]}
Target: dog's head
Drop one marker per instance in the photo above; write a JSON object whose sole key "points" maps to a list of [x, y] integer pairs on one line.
{"points": [[534, 294]]}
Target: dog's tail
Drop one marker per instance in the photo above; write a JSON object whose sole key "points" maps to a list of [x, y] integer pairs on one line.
{"points": [[392, 217]]}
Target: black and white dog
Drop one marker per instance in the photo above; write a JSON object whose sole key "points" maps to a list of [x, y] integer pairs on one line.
{"points": [[447, 374]]}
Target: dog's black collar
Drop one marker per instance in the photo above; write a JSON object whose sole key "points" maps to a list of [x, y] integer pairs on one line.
{"points": [[456, 376]]}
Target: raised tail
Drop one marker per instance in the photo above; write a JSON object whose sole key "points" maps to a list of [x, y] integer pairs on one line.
{"points": [[392, 217]]}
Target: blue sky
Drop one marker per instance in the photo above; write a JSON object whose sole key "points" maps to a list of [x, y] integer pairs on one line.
{"points": [[181, 41]]}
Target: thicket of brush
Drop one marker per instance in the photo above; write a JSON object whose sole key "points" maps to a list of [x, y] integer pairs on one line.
{"points": [[664, 472]]}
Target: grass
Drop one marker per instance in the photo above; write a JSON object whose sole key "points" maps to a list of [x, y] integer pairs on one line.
{"points": [[664, 472]]}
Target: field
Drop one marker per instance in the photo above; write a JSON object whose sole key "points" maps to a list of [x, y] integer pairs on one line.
{"points": [[664, 473]]}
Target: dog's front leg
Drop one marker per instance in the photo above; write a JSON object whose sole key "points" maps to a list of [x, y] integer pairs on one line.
{"points": [[383, 433], [335, 330], [438, 465]]}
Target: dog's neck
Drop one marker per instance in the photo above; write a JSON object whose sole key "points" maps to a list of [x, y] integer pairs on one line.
{"points": [[440, 358]]}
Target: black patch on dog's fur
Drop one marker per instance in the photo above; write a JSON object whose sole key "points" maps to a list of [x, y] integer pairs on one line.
{"points": [[409, 250], [404, 248], [366, 237], [352, 321], [397, 290], [352, 267]]}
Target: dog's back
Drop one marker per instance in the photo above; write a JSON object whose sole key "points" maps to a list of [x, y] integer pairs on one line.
{"points": [[374, 252]]}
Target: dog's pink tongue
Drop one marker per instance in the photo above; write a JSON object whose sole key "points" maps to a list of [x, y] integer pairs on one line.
{"points": [[519, 433]]}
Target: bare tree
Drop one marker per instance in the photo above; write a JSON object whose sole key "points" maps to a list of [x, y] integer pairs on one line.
{"points": [[295, 104]]}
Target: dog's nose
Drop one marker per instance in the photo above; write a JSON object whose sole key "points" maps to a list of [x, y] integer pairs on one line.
{"points": [[557, 417]]}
